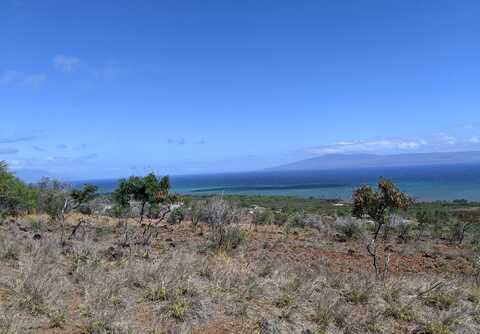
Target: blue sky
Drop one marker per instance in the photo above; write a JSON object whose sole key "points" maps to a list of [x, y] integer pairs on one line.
{"points": [[99, 89]]}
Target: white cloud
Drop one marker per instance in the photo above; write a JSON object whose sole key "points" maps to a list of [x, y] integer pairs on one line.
{"points": [[439, 142], [66, 64], [34, 80], [14, 78], [373, 146], [474, 140]]}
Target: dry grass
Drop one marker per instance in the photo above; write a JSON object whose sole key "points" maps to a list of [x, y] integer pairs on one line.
{"points": [[260, 280]]}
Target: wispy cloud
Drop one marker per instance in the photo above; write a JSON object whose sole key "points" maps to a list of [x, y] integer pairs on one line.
{"points": [[367, 146], [66, 64], [15, 78], [177, 141], [16, 139], [437, 143], [34, 80], [474, 140], [39, 149], [8, 150]]}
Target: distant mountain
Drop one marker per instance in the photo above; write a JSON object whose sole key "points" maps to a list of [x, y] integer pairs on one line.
{"points": [[349, 161]]}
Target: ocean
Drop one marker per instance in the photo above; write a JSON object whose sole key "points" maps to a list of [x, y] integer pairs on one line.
{"points": [[426, 183]]}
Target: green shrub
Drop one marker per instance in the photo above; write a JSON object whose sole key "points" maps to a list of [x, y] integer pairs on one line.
{"points": [[441, 300], [404, 313], [281, 217], [156, 294], [176, 216], [349, 230], [357, 296], [234, 237], [178, 307], [297, 220], [436, 328], [264, 217]]}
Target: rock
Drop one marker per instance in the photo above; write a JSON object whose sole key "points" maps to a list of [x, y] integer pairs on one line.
{"points": [[429, 255]]}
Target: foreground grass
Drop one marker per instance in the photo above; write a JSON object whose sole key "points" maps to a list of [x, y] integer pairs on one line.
{"points": [[270, 279]]}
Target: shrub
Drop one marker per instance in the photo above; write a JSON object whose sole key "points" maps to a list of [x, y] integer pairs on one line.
{"points": [[281, 217], [457, 231], [297, 220], [404, 313], [221, 217], [178, 307], [156, 294], [349, 229], [441, 300], [176, 216], [404, 231], [357, 296], [264, 217], [436, 328], [197, 212], [231, 238]]}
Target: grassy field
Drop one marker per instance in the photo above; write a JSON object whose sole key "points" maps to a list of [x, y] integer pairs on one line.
{"points": [[310, 273]]}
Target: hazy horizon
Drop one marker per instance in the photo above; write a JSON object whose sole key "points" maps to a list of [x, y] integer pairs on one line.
{"points": [[107, 89]]}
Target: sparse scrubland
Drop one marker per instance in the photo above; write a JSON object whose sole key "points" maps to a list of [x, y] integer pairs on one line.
{"points": [[139, 262]]}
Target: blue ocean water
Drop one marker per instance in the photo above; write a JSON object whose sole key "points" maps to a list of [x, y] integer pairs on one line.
{"points": [[427, 183]]}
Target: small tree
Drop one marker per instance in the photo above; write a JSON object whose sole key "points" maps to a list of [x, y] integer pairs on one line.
{"points": [[56, 199], [378, 206], [144, 190], [83, 196], [79, 198]]}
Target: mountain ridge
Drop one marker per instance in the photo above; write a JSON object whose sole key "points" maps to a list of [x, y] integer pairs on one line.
{"points": [[365, 160]]}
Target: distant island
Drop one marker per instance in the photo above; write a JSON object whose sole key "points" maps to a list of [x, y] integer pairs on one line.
{"points": [[353, 161]]}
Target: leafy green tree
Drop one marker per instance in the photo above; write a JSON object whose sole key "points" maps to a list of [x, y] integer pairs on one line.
{"points": [[144, 190], [15, 195], [83, 196], [378, 206]]}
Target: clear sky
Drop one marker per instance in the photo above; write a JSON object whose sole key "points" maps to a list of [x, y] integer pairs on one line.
{"points": [[96, 89]]}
